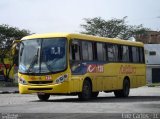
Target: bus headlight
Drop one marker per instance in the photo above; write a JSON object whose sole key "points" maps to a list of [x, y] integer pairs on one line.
{"points": [[61, 79], [22, 81]]}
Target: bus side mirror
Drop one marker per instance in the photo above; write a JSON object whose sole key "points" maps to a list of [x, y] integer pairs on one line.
{"points": [[16, 41], [15, 46]]}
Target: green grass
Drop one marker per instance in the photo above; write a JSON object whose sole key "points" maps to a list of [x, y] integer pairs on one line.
{"points": [[153, 84]]}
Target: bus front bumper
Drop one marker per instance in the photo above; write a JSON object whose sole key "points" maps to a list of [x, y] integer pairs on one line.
{"points": [[50, 89]]}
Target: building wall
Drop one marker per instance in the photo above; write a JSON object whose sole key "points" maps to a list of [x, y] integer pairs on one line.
{"points": [[152, 56], [149, 75], [151, 37]]}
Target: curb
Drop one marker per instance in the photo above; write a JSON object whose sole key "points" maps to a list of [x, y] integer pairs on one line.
{"points": [[9, 92]]}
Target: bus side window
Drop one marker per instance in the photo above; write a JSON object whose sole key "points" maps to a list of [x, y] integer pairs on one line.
{"points": [[95, 51], [87, 51], [125, 54], [75, 50], [115, 47], [101, 52], [141, 55], [120, 53], [112, 52], [130, 54], [135, 54]]}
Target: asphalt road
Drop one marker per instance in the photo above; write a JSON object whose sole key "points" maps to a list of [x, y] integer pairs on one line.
{"points": [[144, 101]]}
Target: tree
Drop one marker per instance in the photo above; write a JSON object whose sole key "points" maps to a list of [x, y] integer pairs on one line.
{"points": [[7, 35], [112, 28]]}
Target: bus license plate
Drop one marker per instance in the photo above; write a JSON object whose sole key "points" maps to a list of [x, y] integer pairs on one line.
{"points": [[41, 93]]}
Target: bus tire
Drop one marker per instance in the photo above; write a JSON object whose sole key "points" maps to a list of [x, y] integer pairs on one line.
{"points": [[43, 97], [95, 94], [125, 91], [86, 91]]}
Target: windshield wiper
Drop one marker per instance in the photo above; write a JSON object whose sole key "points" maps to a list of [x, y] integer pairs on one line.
{"points": [[34, 60]]}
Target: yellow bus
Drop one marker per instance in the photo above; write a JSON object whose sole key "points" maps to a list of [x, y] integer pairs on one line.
{"points": [[77, 64]]}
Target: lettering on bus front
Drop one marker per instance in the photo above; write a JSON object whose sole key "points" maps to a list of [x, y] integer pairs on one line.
{"points": [[127, 69], [94, 68]]}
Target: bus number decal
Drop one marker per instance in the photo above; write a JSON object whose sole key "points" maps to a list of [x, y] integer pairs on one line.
{"points": [[48, 77], [93, 68]]}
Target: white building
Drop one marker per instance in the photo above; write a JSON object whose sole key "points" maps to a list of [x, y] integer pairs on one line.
{"points": [[152, 56]]}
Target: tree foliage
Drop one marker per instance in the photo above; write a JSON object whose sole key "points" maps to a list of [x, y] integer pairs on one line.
{"points": [[7, 35], [112, 28]]}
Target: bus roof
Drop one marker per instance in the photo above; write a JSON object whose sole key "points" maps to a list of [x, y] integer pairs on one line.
{"points": [[83, 37]]}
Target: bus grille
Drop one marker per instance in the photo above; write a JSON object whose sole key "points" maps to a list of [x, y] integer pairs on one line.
{"points": [[40, 82], [39, 89]]}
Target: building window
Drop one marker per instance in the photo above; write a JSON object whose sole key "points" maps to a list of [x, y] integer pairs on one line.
{"points": [[152, 53]]}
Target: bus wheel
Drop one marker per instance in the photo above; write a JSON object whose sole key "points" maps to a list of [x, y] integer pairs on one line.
{"points": [[86, 91], [95, 94], [125, 91], [43, 97]]}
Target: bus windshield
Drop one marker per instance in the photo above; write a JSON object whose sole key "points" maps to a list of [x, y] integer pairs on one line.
{"points": [[42, 55]]}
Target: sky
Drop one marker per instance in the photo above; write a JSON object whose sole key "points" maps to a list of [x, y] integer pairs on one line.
{"points": [[42, 16]]}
